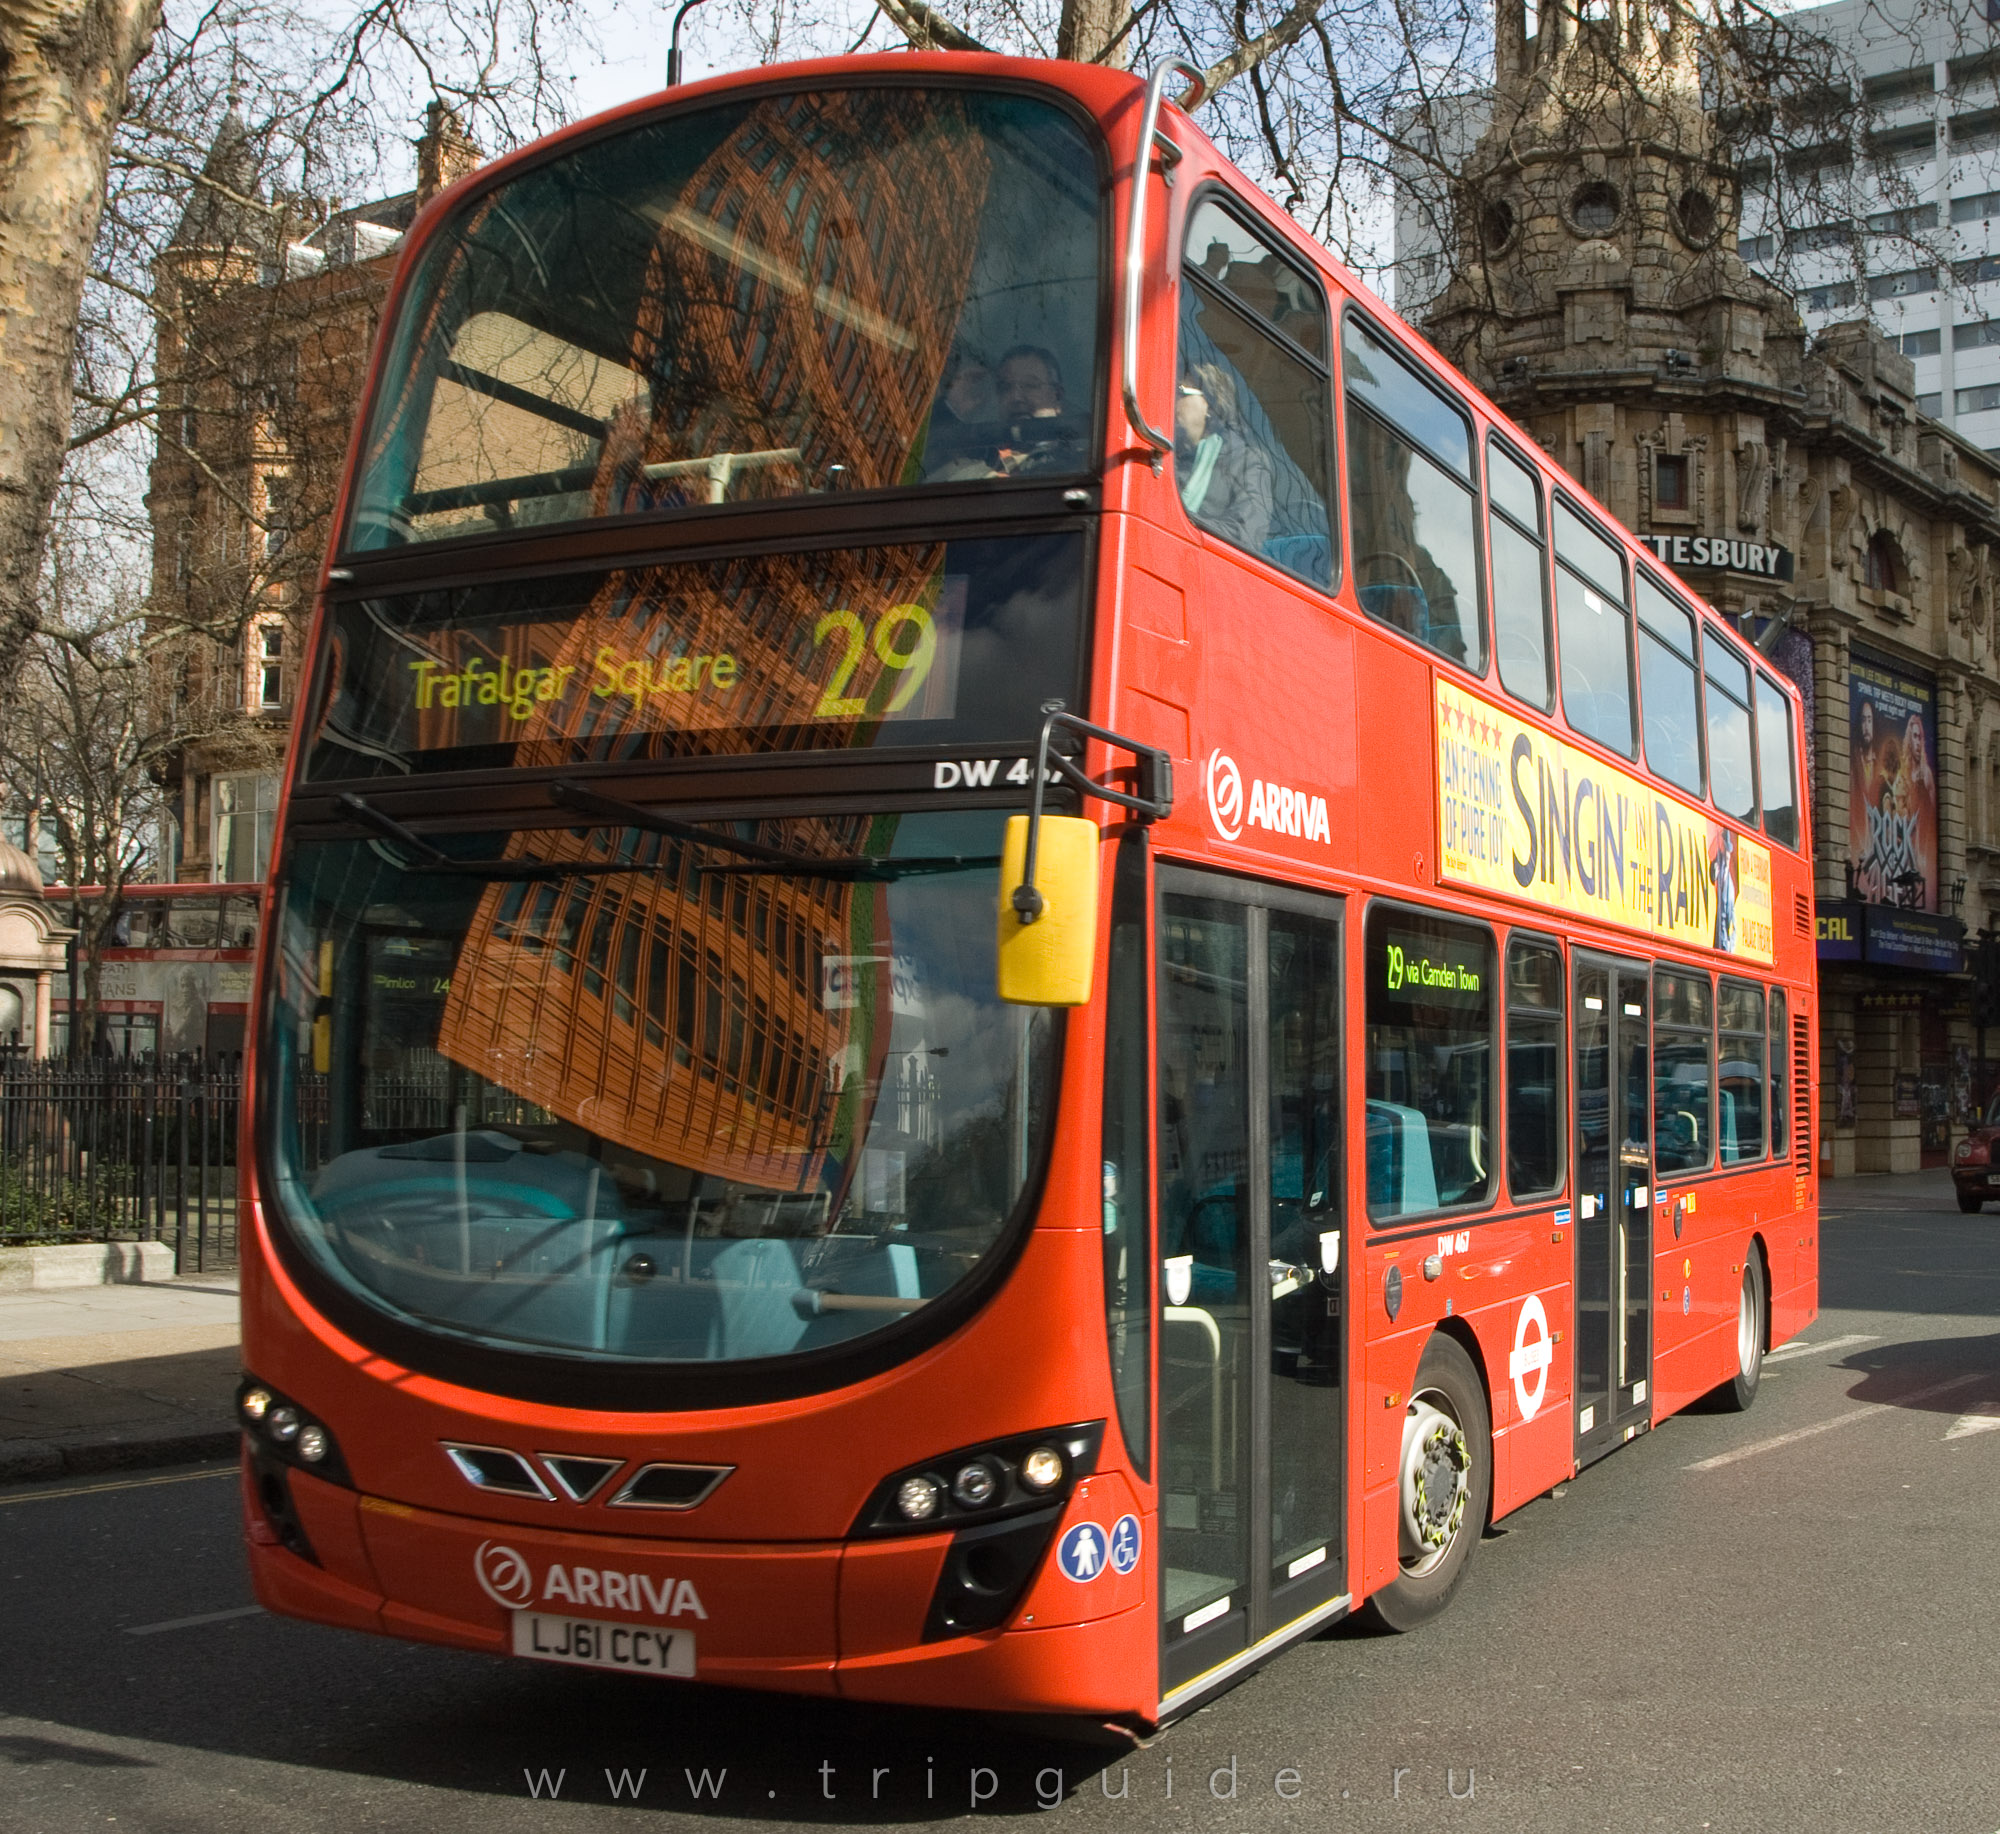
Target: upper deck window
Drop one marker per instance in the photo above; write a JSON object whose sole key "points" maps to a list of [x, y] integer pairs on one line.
{"points": [[1731, 767], [776, 297], [1777, 775], [1592, 627], [1252, 403], [1410, 490], [1667, 686], [1520, 577]]}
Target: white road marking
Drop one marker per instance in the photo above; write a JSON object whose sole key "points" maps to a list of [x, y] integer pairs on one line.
{"points": [[1799, 1346], [188, 1623], [1846, 1419], [1980, 1417]]}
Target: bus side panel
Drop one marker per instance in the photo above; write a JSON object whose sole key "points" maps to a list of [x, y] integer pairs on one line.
{"points": [[1525, 1349]]}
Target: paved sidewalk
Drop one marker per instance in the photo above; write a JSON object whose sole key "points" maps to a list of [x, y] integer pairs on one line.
{"points": [[103, 1378]]}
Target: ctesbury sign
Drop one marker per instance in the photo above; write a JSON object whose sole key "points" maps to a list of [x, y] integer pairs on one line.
{"points": [[1708, 552]]}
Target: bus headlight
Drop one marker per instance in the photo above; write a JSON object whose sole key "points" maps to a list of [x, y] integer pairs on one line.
{"points": [[277, 1427], [1042, 1469], [917, 1498], [983, 1483], [974, 1485]]}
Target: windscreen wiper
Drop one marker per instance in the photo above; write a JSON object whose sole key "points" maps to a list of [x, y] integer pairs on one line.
{"points": [[429, 859], [760, 860]]}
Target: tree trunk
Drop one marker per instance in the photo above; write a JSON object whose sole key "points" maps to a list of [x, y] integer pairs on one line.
{"points": [[63, 69], [1087, 28]]}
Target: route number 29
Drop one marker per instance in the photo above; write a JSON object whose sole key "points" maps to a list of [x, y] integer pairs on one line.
{"points": [[904, 641]]}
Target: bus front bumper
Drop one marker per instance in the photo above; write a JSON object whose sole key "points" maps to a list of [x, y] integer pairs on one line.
{"points": [[830, 1618]]}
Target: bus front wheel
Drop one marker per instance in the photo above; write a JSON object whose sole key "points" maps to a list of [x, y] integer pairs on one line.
{"points": [[1445, 1488]]}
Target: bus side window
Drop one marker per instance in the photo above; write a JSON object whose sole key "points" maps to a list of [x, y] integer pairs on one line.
{"points": [[1776, 772], [1430, 1095], [1731, 766], [1739, 1081], [1412, 503], [1781, 1106], [1683, 1045], [1252, 439], [1668, 693], [1535, 1099], [1592, 630], [1516, 545]]}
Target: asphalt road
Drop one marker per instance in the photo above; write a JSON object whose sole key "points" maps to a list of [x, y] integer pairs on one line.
{"points": [[1776, 1621]]}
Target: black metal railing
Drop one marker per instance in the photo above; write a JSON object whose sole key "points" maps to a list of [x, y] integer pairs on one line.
{"points": [[117, 1149]]}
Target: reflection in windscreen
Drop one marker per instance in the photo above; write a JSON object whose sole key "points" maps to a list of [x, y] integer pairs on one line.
{"points": [[655, 1105], [802, 293]]}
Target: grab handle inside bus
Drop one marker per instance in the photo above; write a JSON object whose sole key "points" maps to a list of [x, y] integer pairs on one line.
{"points": [[1135, 235], [1048, 924]]}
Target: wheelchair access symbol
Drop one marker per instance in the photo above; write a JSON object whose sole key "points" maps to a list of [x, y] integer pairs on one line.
{"points": [[1124, 1544], [1081, 1553]]}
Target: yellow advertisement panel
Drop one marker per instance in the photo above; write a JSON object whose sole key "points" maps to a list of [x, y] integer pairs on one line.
{"points": [[1525, 815]]}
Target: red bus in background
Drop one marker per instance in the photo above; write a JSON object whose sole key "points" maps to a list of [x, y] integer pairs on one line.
{"points": [[1021, 960], [175, 973]]}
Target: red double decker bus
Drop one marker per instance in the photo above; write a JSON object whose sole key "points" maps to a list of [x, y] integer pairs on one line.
{"points": [[1005, 959]]}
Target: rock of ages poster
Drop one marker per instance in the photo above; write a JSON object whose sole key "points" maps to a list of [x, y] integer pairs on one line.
{"points": [[1893, 802]]}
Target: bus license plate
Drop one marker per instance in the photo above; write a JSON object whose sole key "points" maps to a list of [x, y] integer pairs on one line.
{"points": [[637, 1649]]}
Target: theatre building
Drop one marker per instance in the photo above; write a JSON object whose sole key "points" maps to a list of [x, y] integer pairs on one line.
{"points": [[1598, 295]]}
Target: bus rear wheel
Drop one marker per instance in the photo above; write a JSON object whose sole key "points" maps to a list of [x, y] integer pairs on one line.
{"points": [[1446, 1486], [1735, 1395]]}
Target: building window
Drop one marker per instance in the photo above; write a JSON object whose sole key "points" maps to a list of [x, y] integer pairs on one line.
{"points": [[277, 513], [1885, 562], [1925, 343], [1979, 400], [1901, 285], [1670, 481], [1932, 405], [246, 812], [1833, 298], [271, 666]]}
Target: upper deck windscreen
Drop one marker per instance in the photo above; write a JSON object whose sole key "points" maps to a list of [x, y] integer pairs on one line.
{"points": [[774, 297]]}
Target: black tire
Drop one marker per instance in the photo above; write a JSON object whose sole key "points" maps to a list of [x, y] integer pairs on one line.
{"points": [[1969, 1204], [1752, 1327], [1448, 1398]]}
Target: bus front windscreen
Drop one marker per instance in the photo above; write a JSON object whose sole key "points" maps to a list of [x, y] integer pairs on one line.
{"points": [[772, 297], [650, 1101]]}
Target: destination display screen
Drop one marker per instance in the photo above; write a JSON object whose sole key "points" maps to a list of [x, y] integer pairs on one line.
{"points": [[845, 649]]}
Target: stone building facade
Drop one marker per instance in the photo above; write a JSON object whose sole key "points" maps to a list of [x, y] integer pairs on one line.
{"points": [[266, 309], [1598, 295]]}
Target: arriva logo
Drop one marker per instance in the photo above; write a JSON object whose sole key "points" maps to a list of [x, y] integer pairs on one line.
{"points": [[503, 1575], [1272, 805], [1225, 795]]}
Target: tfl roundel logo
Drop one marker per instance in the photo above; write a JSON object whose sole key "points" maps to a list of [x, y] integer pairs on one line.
{"points": [[503, 1575], [1225, 795]]}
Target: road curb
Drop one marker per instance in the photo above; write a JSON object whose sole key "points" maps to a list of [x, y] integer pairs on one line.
{"points": [[32, 1460]]}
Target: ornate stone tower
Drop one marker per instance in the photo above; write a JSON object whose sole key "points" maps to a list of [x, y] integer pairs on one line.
{"points": [[1598, 297], [1598, 294]]}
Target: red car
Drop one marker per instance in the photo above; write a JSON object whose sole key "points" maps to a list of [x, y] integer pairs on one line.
{"points": [[1975, 1164]]}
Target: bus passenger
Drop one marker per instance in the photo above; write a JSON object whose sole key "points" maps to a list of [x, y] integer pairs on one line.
{"points": [[1225, 479], [960, 443], [1031, 392]]}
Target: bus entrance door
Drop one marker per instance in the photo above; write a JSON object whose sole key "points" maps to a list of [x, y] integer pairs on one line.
{"points": [[1613, 1221], [1252, 1347]]}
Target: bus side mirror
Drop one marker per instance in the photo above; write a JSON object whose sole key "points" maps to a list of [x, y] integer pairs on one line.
{"points": [[1046, 959]]}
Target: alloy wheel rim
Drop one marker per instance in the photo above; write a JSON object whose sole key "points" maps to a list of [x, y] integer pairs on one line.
{"points": [[1436, 1483]]}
